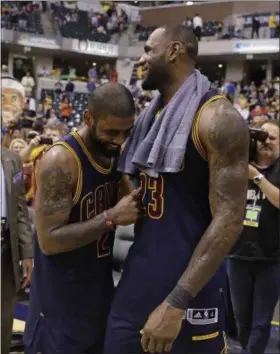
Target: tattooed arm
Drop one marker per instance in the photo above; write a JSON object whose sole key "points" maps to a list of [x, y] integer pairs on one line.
{"points": [[226, 139], [56, 179]]}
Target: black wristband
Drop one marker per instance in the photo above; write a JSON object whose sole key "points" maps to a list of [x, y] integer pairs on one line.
{"points": [[179, 298]]}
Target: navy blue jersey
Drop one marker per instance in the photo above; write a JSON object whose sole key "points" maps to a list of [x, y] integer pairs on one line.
{"points": [[177, 215], [73, 290]]}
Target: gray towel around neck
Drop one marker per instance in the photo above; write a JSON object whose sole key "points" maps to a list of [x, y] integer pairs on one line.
{"points": [[158, 145]]}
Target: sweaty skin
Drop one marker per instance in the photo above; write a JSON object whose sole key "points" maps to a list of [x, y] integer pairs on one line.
{"points": [[57, 177], [225, 138]]}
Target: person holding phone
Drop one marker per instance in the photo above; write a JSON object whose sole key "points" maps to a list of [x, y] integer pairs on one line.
{"points": [[38, 145]]}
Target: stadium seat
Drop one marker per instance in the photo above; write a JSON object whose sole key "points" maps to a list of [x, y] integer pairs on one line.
{"points": [[79, 30], [33, 25], [79, 103]]}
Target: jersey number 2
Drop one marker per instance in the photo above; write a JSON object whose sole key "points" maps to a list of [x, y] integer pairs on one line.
{"points": [[103, 246], [154, 187]]}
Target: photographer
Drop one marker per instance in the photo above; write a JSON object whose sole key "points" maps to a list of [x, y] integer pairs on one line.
{"points": [[34, 151], [254, 262], [40, 143]]}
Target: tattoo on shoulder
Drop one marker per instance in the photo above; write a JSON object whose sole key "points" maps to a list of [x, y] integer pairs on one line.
{"points": [[54, 188], [229, 135], [228, 130], [227, 123]]}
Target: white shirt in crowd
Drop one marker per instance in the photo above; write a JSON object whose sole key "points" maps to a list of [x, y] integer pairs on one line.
{"points": [[3, 194], [243, 111], [104, 80], [32, 104], [239, 23], [197, 22], [72, 73], [28, 83], [44, 71]]}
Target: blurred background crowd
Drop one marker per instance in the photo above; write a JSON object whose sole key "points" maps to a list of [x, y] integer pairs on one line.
{"points": [[56, 90], [60, 51]]}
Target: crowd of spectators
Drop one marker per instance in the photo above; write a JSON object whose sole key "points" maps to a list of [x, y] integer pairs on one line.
{"points": [[101, 25], [60, 109], [255, 103], [57, 114], [232, 27], [91, 25], [23, 16]]}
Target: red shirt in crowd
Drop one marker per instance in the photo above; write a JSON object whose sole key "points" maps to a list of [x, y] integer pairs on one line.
{"points": [[114, 76]]}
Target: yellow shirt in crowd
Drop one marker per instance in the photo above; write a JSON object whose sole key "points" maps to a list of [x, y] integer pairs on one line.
{"points": [[36, 153], [272, 21]]}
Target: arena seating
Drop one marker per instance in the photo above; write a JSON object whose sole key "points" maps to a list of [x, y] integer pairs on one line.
{"points": [[209, 29], [10, 18], [79, 105], [36, 20], [76, 24]]}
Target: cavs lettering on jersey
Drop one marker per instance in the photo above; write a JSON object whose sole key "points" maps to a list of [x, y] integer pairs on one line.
{"points": [[177, 215], [73, 290]]}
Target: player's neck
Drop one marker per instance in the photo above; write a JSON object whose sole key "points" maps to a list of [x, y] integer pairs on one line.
{"points": [[102, 160], [169, 90]]}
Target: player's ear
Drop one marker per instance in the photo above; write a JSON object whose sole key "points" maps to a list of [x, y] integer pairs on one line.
{"points": [[174, 50], [88, 118]]}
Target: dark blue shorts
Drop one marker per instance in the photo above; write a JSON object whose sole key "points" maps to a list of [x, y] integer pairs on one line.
{"points": [[124, 338], [42, 337]]}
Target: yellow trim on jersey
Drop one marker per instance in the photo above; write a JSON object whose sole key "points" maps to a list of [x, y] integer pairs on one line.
{"points": [[206, 336], [94, 163], [195, 136], [225, 350], [80, 171]]}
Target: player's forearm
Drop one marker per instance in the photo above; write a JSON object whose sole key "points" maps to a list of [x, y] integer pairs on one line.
{"points": [[271, 192], [215, 244], [72, 236]]}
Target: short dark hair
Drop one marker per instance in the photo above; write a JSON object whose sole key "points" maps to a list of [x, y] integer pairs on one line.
{"points": [[38, 126], [111, 99], [186, 36]]}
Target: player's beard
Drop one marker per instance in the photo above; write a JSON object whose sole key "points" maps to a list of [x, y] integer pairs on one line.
{"points": [[157, 76], [103, 148]]}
